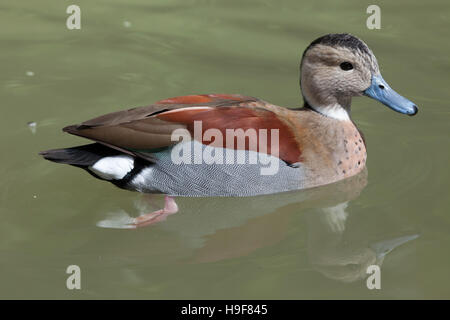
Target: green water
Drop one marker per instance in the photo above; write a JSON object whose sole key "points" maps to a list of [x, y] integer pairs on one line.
{"points": [[310, 244]]}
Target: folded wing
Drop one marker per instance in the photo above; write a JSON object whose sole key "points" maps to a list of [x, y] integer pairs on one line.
{"points": [[143, 130]]}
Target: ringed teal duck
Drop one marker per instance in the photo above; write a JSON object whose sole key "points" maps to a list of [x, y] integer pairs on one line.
{"points": [[314, 145]]}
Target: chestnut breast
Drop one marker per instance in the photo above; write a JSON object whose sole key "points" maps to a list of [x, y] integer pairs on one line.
{"points": [[331, 149]]}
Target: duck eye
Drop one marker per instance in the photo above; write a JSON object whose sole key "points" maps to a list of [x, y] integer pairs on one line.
{"points": [[346, 66]]}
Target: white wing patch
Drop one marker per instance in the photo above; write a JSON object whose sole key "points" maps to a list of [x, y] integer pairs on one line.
{"points": [[113, 168]]}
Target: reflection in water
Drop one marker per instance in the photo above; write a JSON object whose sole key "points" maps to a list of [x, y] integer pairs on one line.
{"points": [[216, 229], [334, 256]]}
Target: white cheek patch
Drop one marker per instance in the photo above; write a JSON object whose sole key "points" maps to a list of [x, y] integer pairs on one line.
{"points": [[113, 168]]}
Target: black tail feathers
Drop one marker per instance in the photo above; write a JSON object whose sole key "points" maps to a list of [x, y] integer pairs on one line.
{"points": [[81, 156]]}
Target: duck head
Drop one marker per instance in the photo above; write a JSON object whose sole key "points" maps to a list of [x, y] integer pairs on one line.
{"points": [[337, 67]]}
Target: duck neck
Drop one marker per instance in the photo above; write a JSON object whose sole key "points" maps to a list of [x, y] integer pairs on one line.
{"points": [[336, 108]]}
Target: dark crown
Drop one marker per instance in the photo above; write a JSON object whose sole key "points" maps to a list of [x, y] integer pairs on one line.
{"points": [[340, 40]]}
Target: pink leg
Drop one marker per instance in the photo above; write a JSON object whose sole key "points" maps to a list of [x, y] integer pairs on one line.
{"points": [[170, 207]]}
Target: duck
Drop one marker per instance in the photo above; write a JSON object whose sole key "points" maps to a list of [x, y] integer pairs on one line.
{"points": [[218, 145]]}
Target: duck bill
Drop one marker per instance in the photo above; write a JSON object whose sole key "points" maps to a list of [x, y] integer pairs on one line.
{"points": [[382, 248], [381, 91]]}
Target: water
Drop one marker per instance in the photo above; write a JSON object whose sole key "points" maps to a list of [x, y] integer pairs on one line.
{"points": [[310, 244]]}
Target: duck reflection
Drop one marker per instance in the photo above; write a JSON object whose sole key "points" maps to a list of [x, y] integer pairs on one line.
{"points": [[216, 229], [334, 255]]}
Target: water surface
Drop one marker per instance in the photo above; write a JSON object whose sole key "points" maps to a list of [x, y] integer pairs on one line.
{"points": [[307, 244]]}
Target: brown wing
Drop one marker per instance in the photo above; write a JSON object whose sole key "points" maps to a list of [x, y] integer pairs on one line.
{"points": [[138, 131]]}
